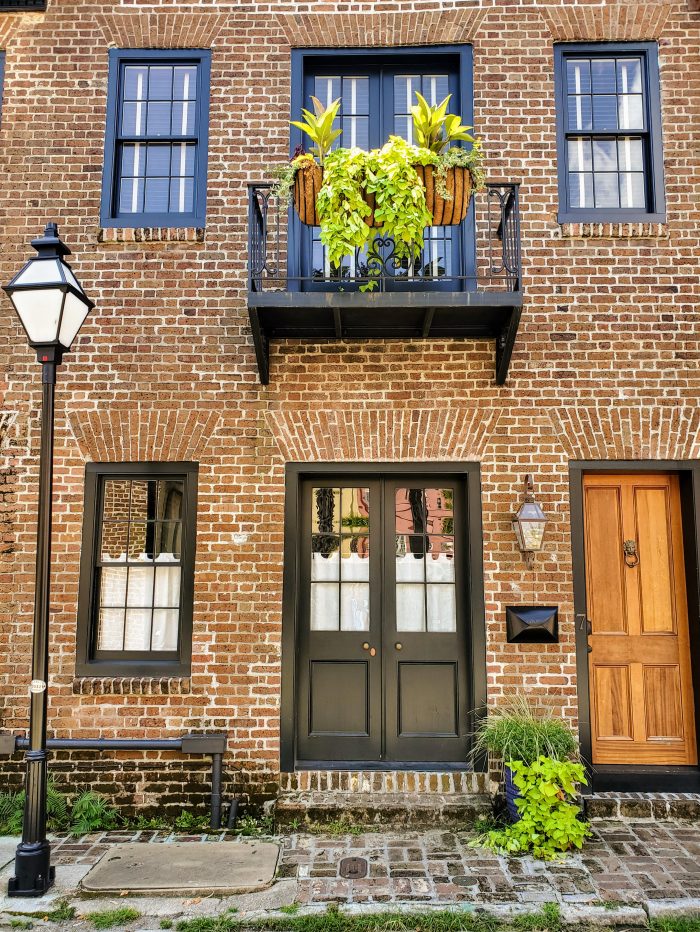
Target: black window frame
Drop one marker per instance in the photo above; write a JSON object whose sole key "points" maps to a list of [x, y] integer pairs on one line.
{"points": [[110, 215], [133, 663], [655, 212]]}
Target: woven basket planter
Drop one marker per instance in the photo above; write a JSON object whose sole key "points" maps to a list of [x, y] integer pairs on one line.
{"points": [[445, 211]]}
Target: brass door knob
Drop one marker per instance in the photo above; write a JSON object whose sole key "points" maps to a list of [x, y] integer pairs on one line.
{"points": [[398, 645], [365, 646]]}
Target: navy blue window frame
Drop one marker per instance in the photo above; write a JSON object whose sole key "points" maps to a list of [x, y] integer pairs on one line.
{"points": [[118, 58], [456, 60], [652, 137]]}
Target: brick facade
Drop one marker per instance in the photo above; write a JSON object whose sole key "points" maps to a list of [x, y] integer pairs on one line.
{"points": [[606, 364]]}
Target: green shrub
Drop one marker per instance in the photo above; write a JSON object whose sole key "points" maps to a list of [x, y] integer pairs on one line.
{"points": [[516, 731], [92, 812], [549, 821]]}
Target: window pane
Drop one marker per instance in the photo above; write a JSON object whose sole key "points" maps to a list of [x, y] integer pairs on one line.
{"points": [[160, 82], [631, 111], [167, 587], [578, 76], [110, 629], [410, 607], [325, 558], [581, 189], [131, 196], [158, 123], [133, 161], [629, 153], [410, 558], [113, 586], [181, 195], [606, 190], [327, 89], [579, 113], [135, 82], [141, 541], [354, 509], [158, 160], [605, 113], [182, 159], [325, 511], [167, 540], [140, 590], [157, 195], [410, 516], [603, 77], [403, 127], [438, 510], [442, 612], [579, 150], [137, 633], [632, 190], [354, 607], [183, 118], [355, 96], [115, 535], [354, 563], [185, 83], [324, 606], [629, 76], [116, 498], [435, 89], [143, 499], [605, 155], [133, 119], [165, 629], [440, 564]]}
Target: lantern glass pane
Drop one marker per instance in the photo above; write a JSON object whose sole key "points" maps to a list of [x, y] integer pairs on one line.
{"points": [[40, 272], [40, 312], [74, 313], [532, 534]]}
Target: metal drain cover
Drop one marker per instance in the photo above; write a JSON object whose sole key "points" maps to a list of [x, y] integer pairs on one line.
{"points": [[353, 868]]}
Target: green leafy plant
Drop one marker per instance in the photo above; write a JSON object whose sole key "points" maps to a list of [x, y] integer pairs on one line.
{"points": [[251, 827], [436, 129], [12, 810], [341, 205], [549, 821], [108, 918], [518, 731], [190, 822], [318, 126], [92, 812]]}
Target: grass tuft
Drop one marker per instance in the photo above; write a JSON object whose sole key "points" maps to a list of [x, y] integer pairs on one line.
{"points": [[108, 918]]}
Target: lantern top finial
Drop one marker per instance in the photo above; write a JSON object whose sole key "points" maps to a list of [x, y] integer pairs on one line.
{"points": [[50, 243]]}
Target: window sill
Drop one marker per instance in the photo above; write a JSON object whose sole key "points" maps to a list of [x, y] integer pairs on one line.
{"points": [[613, 230], [109, 235], [118, 685]]}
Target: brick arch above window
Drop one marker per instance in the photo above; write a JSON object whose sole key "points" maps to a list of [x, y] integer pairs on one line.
{"points": [[142, 435], [612, 22], [163, 31], [308, 30]]}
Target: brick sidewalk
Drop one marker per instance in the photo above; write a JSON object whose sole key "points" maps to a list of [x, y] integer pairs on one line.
{"points": [[630, 863]]}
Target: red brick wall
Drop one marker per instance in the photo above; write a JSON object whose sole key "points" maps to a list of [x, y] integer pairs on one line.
{"points": [[605, 365]]}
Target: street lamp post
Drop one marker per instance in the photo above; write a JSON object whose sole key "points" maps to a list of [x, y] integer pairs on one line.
{"points": [[51, 306]]}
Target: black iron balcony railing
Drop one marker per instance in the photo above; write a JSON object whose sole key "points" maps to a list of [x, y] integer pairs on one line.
{"points": [[465, 283]]}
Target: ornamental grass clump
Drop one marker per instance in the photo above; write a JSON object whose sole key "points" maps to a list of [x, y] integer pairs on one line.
{"points": [[517, 731]]}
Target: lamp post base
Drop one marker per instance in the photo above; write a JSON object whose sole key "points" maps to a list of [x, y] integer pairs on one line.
{"points": [[34, 875]]}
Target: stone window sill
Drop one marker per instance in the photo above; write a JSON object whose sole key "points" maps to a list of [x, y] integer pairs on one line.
{"points": [[131, 686], [613, 231], [109, 235]]}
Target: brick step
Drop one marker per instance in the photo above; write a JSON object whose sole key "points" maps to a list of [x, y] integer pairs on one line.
{"points": [[296, 810], [635, 806], [446, 783]]}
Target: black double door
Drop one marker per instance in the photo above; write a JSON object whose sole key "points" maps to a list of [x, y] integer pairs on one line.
{"points": [[382, 641]]}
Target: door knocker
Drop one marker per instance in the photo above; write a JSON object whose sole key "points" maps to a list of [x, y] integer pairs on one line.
{"points": [[631, 555]]}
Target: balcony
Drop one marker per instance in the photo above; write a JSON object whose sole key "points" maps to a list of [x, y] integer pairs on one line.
{"points": [[291, 295]]}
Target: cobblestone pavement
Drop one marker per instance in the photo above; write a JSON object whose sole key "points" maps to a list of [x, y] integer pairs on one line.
{"points": [[631, 863]]}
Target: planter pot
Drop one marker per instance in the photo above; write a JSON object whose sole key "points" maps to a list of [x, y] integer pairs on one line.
{"points": [[307, 184], [512, 793], [458, 183]]}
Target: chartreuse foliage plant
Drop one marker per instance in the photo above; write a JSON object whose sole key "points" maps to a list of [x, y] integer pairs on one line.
{"points": [[435, 128], [549, 823], [318, 126]]}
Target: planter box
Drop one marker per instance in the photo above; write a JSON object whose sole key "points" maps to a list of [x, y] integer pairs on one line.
{"points": [[512, 793], [445, 212]]}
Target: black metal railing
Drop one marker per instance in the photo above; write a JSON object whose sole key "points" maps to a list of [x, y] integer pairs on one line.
{"points": [[482, 254]]}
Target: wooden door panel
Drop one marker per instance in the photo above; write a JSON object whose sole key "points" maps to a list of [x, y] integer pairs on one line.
{"points": [[348, 714], [428, 700], [642, 707], [606, 606], [612, 685], [652, 510]]}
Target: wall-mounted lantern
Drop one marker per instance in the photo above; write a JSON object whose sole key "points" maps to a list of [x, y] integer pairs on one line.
{"points": [[529, 524]]}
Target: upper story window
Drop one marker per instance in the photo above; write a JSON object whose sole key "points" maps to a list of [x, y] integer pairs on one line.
{"points": [[609, 133], [135, 613], [19, 5], [156, 139], [377, 90]]}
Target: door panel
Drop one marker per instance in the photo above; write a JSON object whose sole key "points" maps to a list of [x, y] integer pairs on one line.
{"points": [[642, 707], [382, 630]]}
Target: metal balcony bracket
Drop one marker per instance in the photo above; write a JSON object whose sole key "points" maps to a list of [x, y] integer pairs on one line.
{"points": [[504, 346], [262, 346]]}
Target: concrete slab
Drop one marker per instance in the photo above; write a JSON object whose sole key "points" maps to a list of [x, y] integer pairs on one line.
{"points": [[184, 868]]}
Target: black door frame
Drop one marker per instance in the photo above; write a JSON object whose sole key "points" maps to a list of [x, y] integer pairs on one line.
{"points": [[294, 473], [636, 778]]}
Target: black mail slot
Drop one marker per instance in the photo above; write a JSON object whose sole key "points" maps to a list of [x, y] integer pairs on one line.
{"points": [[532, 624]]}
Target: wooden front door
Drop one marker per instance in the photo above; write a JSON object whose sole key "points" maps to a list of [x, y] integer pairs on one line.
{"points": [[382, 632], [641, 689]]}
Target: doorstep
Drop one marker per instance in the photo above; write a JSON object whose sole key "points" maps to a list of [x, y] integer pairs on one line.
{"points": [[659, 807]]}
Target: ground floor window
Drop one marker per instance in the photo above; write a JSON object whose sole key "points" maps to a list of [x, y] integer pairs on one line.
{"points": [[382, 612], [135, 611]]}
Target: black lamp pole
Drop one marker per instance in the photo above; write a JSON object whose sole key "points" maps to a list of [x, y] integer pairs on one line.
{"points": [[51, 306]]}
